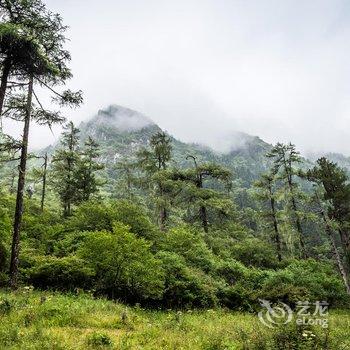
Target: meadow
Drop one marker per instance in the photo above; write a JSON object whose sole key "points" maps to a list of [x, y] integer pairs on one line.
{"points": [[50, 320]]}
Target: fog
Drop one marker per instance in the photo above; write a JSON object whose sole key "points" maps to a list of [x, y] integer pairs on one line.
{"points": [[202, 69]]}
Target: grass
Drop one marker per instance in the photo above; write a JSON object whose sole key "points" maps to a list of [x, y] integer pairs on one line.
{"points": [[44, 320]]}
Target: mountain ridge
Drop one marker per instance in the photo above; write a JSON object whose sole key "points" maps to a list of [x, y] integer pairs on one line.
{"points": [[121, 132]]}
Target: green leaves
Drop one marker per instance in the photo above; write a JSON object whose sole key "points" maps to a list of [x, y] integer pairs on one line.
{"points": [[124, 264]]}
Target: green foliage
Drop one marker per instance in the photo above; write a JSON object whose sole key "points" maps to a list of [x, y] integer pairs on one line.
{"points": [[91, 216], [190, 245], [304, 280], [299, 338], [64, 167], [99, 216], [66, 273], [124, 265], [134, 216], [254, 252], [97, 340], [5, 306], [47, 320], [186, 287], [3, 257], [85, 175]]}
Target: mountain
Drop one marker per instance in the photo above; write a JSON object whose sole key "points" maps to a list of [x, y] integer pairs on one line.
{"points": [[121, 132], [338, 158]]}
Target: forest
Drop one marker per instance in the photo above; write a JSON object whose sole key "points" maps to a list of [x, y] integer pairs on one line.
{"points": [[162, 228]]}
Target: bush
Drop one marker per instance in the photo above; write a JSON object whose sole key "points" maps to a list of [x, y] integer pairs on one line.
{"points": [[191, 246], [91, 216], [304, 280], [186, 287], [135, 217], [3, 279], [255, 252], [67, 273], [95, 216], [231, 271], [242, 282], [124, 265], [297, 337], [99, 340], [5, 306]]}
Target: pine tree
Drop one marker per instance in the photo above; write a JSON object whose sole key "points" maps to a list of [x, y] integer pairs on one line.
{"points": [[44, 63], [284, 158], [154, 162], [337, 193], [64, 167], [330, 228], [266, 193], [87, 166], [127, 178], [198, 190], [40, 175]]}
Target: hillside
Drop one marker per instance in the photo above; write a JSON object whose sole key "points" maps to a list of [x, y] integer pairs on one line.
{"points": [[121, 132]]}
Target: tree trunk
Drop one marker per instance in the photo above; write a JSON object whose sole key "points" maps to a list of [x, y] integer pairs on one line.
{"points": [[275, 226], [3, 86], [204, 218], [298, 223], [12, 185], [162, 219], [20, 190], [288, 169], [43, 193], [339, 263], [337, 256], [344, 237]]}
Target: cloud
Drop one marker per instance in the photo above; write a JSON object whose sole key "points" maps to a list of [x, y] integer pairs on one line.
{"points": [[200, 68]]}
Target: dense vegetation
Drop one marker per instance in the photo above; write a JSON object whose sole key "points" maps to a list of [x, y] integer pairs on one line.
{"points": [[162, 227]]}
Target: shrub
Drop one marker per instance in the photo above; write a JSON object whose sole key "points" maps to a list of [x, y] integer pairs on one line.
{"points": [[231, 271], [124, 265], [5, 306], [135, 217], [3, 279], [255, 252], [191, 246], [99, 340], [91, 216], [95, 216], [304, 280], [67, 273], [297, 337], [185, 286]]}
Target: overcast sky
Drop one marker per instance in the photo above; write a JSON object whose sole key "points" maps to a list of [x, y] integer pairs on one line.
{"points": [[278, 69]]}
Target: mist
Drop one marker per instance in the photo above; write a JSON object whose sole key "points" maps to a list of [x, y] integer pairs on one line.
{"points": [[204, 69]]}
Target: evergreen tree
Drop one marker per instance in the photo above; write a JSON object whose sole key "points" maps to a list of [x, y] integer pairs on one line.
{"points": [[199, 192], [154, 162], [330, 228], [284, 158], [64, 167], [337, 193], [87, 166], [266, 193], [40, 175], [44, 63], [127, 178]]}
